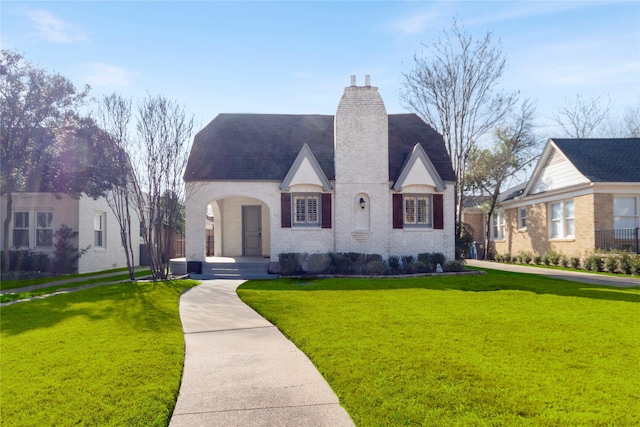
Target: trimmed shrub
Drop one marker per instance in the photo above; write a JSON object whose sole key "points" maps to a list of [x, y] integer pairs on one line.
{"points": [[416, 267], [26, 260], [394, 264], [635, 265], [537, 259], [375, 267], [317, 263], [593, 262], [611, 263], [424, 257], [437, 258], [574, 262], [626, 263], [523, 257], [551, 258], [407, 260], [563, 261], [339, 263], [453, 266], [291, 263]]}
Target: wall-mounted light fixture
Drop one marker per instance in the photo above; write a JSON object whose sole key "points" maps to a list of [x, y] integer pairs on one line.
{"points": [[361, 203]]}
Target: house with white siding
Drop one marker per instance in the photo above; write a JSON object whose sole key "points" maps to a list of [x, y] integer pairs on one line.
{"points": [[360, 181], [583, 195], [37, 215]]}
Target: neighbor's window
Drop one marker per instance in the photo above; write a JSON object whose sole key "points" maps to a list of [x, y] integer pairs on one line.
{"points": [[98, 229], [497, 225], [417, 210], [21, 229], [306, 210], [562, 219], [522, 218], [625, 212], [44, 229]]}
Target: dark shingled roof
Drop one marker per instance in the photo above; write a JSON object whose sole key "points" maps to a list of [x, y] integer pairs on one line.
{"points": [[262, 147], [604, 159]]}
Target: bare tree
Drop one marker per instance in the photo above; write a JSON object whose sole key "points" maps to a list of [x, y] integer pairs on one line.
{"points": [[514, 148], [31, 100], [115, 118], [631, 121], [164, 137], [453, 87], [583, 118]]}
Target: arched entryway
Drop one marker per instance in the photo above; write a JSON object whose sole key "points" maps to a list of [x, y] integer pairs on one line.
{"points": [[241, 227]]}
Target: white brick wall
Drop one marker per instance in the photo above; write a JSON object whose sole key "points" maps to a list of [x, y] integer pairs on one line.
{"points": [[362, 170]]}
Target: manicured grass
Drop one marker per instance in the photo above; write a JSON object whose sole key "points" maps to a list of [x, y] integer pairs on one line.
{"points": [[501, 349], [109, 356], [51, 289], [12, 284]]}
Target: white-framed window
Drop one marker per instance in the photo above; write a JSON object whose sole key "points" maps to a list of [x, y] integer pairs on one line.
{"points": [[497, 225], [44, 229], [21, 229], [417, 210], [625, 212], [522, 218], [99, 227], [562, 219], [306, 210]]}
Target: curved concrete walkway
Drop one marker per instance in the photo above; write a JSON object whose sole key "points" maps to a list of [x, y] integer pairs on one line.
{"points": [[240, 370], [576, 276]]}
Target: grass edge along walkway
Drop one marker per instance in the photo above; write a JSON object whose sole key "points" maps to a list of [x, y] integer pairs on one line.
{"points": [[110, 356], [74, 278], [57, 287], [502, 349]]}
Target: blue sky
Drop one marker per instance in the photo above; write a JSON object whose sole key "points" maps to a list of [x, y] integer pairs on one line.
{"points": [[296, 57]]}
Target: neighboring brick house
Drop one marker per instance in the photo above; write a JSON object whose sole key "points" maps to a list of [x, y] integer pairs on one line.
{"points": [[584, 194], [36, 216], [360, 181]]}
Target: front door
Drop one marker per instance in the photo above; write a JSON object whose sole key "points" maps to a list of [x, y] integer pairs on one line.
{"points": [[251, 231]]}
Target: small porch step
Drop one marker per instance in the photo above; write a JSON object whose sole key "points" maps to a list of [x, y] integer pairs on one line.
{"points": [[235, 270]]}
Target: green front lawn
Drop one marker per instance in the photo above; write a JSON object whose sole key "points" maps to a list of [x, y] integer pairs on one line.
{"points": [[87, 279], [501, 349], [108, 356]]}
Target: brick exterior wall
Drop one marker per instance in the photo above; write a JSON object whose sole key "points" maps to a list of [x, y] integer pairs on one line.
{"points": [[536, 236], [603, 211], [362, 170]]}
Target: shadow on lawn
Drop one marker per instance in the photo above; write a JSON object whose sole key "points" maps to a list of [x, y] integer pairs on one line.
{"points": [[130, 305], [492, 281]]}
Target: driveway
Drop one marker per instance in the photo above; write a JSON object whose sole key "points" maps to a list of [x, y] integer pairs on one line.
{"points": [[576, 276]]}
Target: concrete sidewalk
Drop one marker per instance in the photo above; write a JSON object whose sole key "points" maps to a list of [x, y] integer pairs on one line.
{"points": [[576, 276], [240, 370]]}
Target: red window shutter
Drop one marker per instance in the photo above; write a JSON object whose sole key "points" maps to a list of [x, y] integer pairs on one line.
{"points": [[398, 220], [326, 210], [438, 212], [285, 210]]}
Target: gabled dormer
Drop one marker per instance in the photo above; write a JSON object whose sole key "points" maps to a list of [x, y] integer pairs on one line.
{"points": [[418, 170], [305, 170], [554, 171]]}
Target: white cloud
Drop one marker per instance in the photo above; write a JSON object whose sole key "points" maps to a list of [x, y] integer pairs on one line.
{"points": [[53, 29], [107, 75], [415, 24]]}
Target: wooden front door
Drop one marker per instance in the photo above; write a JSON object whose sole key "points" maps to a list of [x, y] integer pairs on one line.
{"points": [[251, 231]]}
